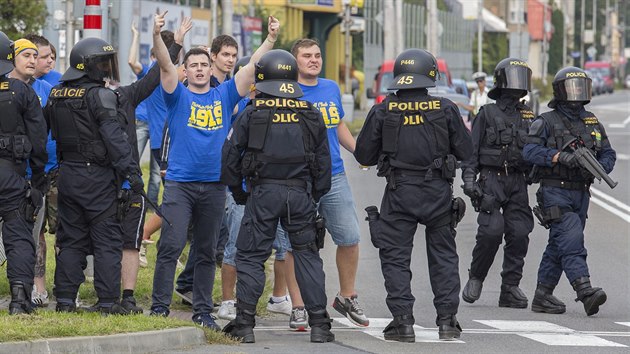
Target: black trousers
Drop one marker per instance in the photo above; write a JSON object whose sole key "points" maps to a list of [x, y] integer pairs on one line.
{"points": [[87, 224], [413, 201], [17, 233], [510, 219], [295, 209]]}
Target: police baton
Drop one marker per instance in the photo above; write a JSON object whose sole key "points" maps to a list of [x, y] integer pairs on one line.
{"points": [[155, 207]]}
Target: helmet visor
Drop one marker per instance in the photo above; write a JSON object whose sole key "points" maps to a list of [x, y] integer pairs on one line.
{"points": [[576, 89], [518, 77], [102, 67]]}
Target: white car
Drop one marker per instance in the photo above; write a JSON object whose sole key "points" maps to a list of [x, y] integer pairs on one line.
{"points": [[627, 83]]}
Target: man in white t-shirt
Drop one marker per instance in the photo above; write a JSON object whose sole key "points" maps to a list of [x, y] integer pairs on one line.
{"points": [[479, 96]]}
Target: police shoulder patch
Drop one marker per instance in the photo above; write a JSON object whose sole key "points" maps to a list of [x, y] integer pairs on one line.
{"points": [[590, 120], [108, 98], [527, 114], [537, 127]]}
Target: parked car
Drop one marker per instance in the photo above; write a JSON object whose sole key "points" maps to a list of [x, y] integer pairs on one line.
{"points": [[605, 70], [627, 82], [457, 97], [598, 85], [460, 87]]}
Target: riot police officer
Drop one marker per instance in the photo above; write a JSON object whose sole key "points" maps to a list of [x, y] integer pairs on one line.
{"points": [[500, 193], [416, 140], [287, 166], [563, 196], [22, 138], [94, 156]]}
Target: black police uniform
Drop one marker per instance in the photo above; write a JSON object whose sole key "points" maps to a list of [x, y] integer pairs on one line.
{"points": [[22, 138], [498, 135], [280, 145], [563, 196], [94, 156]]}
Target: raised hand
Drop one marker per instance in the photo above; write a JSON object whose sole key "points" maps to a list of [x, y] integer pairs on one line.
{"points": [[159, 22], [182, 30], [273, 28], [134, 29]]}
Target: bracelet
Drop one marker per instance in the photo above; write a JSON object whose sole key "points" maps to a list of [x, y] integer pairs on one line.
{"points": [[270, 41]]}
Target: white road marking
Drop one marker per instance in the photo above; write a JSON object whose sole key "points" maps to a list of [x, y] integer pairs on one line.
{"points": [[550, 334], [611, 204], [624, 157], [620, 125], [623, 323], [424, 335]]}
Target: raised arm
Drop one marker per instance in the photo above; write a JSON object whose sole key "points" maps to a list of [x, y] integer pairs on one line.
{"points": [[168, 72], [244, 78], [134, 63]]}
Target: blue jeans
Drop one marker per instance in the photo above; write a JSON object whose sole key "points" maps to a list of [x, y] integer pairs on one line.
{"points": [[142, 132], [203, 203], [337, 207], [235, 214]]}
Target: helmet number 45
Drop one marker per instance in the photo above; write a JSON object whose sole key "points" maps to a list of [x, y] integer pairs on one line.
{"points": [[287, 88], [405, 80]]}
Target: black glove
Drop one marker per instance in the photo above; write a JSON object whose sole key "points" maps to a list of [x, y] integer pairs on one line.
{"points": [[568, 159], [239, 195], [471, 187], [135, 181], [40, 182]]}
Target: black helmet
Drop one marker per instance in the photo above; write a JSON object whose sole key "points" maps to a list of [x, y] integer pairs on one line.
{"points": [[277, 74], [92, 57], [6, 54], [511, 73], [240, 64], [571, 84], [414, 68]]}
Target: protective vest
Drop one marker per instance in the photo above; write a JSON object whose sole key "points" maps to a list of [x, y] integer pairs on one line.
{"points": [[562, 131], [504, 138], [279, 110], [14, 143], [435, 122], [74, 127]]}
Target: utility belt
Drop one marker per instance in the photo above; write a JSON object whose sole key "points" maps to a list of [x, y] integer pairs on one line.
{"points": [[503, 171], [583, 185], [293, 182], [19, 168], [71, 156], [443, 167]]}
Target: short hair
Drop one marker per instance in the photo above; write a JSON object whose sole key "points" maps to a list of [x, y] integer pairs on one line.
{"points": [[196, 51], [303, 43], [168, 37], [222, 41], [53, 50], [38, 40]]}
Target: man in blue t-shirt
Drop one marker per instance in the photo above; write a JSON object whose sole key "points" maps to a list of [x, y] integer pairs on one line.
{"points": [[26, 58], [192, 191], [337, 206]]}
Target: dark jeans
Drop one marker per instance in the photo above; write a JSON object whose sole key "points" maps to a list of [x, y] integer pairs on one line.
{"points": [[203, 204]]}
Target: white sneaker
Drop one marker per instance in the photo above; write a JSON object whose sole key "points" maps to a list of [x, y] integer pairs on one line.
{"points": [[227, 311], [39, 299], [298, 319], [143, 256], [283, 307]]}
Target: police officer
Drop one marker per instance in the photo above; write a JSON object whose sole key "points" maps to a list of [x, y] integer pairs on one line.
{"points": [[22, 139], [287, 165], [416, 139], [500, 193], [94, 156], [563, 196]]}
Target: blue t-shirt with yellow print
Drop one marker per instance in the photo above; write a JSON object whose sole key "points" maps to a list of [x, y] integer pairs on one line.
{"points": [[42, 89], [198, 130], [326, 97]]}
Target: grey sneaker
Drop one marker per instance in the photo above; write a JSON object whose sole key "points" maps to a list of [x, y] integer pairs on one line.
{"points": [[298, 319], [350, 308]]}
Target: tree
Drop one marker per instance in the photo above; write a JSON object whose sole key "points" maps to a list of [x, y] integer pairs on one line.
{"points": [[494, 48], [555, 44], [21, 17]]}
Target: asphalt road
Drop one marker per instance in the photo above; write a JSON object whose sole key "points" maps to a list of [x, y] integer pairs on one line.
{"points": [[487, 328]]}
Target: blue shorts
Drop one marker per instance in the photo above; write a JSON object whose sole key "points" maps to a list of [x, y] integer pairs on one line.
{"points": [[235, 214], [337, 207]]}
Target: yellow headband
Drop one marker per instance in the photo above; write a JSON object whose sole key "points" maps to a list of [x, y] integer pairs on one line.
{"points": [[24, 44]]}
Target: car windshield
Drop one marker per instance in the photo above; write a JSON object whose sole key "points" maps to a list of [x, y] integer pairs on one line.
{"points": [[386, 79]]}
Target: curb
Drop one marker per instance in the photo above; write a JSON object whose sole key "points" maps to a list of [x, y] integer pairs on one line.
{"points": [[133, 343]]}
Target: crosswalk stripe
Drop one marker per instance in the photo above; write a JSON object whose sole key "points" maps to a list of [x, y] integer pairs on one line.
{"points": [[624, 323], [550, 334], [423, 335]]}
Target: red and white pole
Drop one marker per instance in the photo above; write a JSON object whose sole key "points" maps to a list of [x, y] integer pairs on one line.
{"points": [[92, 19]]}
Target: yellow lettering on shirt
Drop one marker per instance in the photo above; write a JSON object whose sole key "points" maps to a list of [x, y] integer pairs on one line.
{"points": [[527, 114], [415, 119], [414, 106], [280, 103], [590, 120], [285, 118], [4, 86], [67, 92], [206, 117]]}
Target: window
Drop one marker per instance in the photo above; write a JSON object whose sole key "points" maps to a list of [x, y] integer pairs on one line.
{"points": [[516, 9]]}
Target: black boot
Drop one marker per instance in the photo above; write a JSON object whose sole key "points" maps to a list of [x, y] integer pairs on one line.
{"points": [[545, 302], [109, 309], [472, 290], [591, 297], [448, 327], [320, 323], [129, 304], [242, 327], [20, 299], [401, 329], [512, 296]]}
